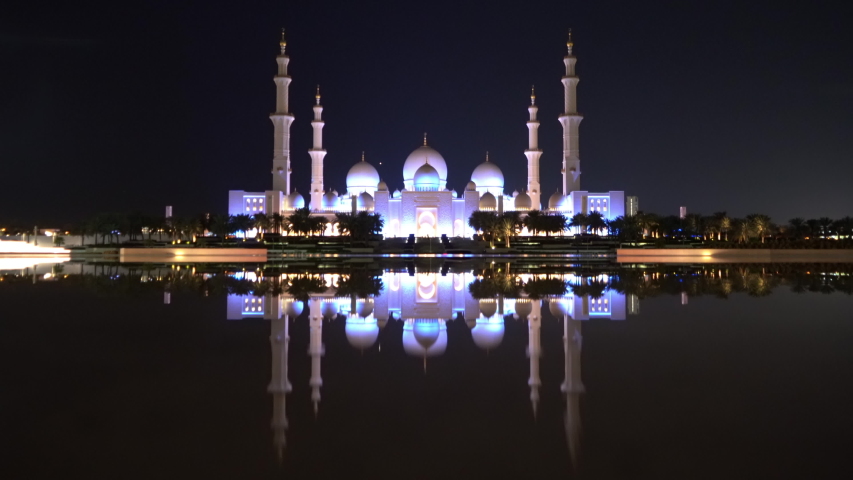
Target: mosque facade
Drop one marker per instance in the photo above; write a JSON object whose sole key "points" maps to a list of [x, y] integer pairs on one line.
{"points": [[424, 205]]}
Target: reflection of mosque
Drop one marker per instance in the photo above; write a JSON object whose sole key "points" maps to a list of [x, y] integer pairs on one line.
{"points": [[424, 302]]}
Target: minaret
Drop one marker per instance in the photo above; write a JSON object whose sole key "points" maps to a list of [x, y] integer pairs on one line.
{"points": [[534, 351], [570, 119], [317, 153], [279, 385], [315, 350], [281, 120], [533, 153]]}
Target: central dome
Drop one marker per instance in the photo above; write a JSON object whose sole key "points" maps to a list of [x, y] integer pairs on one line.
{"points": [[421, 156], [427, 178], [362, 177], [488, 177]]}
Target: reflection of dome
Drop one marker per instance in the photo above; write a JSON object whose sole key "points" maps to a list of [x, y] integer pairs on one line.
{"points": [[330, 309], [362, 177], [471, 187], [293, 308], [488, 307], [488, 335], [295, 200], [364, 201], [488, 177], [426, 178], [421, 156], [523, 202], [330, 201], [363, 307], [424, 337], [523, 309], [361, 333], [556, 201], [559, 307], [488, 201]]}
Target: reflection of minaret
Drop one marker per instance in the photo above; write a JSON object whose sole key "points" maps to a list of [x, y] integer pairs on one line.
{"points": [[317, 153], [315, 350], [572, 385], [280, 384], [534, 351]]}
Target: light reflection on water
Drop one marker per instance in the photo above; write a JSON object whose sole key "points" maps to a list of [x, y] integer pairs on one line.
{"points": [[420, 303]]}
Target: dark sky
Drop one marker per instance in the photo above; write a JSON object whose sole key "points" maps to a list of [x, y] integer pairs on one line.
{"points": [[717, 105]]}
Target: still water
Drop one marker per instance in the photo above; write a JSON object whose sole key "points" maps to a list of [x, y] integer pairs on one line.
{"points": [[421, 371]]}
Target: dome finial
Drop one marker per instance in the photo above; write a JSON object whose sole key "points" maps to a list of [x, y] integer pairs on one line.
{"points": [[317, 95], [282, 43], [533, 94], [569, 42], [362, 155], [487, 155], [425, 144]]}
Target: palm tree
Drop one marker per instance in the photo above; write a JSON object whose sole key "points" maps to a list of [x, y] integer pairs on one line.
{"points": [[595, 223], [760, 224], [533, 221], [724, 224], [505, 227], [276, 222], [262, 223], [300, 221], [825, 225], [484, 221], [798, 226], [222, 225], [243, 223], [580, 221], [741, 229]]}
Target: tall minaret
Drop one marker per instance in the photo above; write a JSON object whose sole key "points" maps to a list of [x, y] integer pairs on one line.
{"points": [[533, 153], [281, 120], [570, 119], [317, 153]]}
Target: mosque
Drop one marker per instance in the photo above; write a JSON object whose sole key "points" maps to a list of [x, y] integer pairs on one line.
{"points": [[424, 205]]}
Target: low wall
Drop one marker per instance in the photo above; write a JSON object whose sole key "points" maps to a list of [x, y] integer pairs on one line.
{"points": [[730, 255], [193, 254]]}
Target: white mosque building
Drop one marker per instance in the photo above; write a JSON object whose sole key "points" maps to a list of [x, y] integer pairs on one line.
{"points": [[424, 205]]}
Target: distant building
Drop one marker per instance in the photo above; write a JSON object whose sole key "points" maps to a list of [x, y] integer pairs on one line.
{"points": [[682, 212], [425, 206], [632, 205]]}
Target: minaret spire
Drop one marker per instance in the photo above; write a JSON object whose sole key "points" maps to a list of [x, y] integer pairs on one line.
{"points": [[317, 154], [281, 119], [533, 153], [570, 119]]}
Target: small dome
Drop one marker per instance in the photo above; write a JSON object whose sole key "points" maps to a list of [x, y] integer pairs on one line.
{"points": [[295, 200], [488, 335], [523, 202], [423, 155], [556, 201], [488, 177], [364, 201], [361, 333], [396, 194], [471, 187], [488, 202], [362, 177], [382, 186], [330, 201], [427, 178], [514, 193]]}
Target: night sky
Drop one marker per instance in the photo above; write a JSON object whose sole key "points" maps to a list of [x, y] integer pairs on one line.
{"points": [[717, 105]]}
